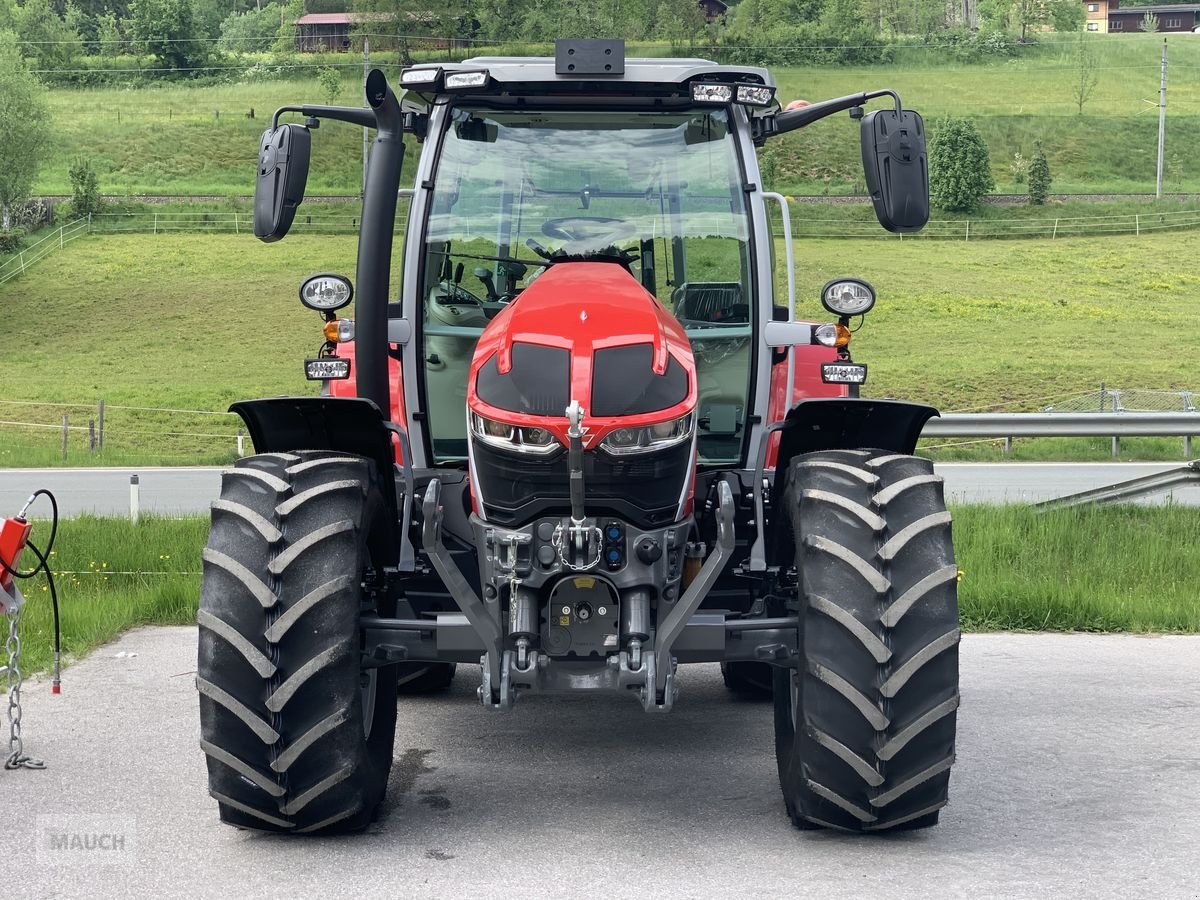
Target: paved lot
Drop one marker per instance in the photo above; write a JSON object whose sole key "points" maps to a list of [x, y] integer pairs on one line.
{"points": [[1078, 776], [172, 491]]}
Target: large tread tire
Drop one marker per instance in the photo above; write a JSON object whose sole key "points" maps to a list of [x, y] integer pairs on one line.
{"points": [[865, 725], [298, 737], [749, 680], [416, 679]]}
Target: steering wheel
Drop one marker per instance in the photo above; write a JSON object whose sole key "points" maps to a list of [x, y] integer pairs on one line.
{"points": [[593, 229]]}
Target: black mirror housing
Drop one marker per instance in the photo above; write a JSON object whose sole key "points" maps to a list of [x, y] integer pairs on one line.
{"points": [[896, 168], [283, 158]]}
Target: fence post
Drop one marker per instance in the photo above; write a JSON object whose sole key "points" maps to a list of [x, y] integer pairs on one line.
{"points": [[89, 222], [66, 428], [92, 435], [968, 237], [134, 499], [22, 262], [241, 443], [100, 416], [236, 230], [60, 237], [1137, 226], [156, 223], [1054, 233]]}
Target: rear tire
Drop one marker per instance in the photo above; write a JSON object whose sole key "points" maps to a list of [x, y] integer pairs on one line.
{"points": [[298, 736], [749, 680], [865, 725], [415, 679]]}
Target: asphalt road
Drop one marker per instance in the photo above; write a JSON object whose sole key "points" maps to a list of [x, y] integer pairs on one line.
{"points": [[1078, 776], [172, 491]]}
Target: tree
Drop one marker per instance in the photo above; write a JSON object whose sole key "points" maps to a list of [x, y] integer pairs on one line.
{"points": [[1039, 176], [331, 84], [1086, 76], [960, 173], [165, 28], [1149, 22], [47, 40], [251, 31], [25, 124], [1061, 15], [108, 32], [85, 188]]}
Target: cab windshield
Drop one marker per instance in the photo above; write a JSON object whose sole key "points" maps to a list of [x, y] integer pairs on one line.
{"points": [[658, 192]]}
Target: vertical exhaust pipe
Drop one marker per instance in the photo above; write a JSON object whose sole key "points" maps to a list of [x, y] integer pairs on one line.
{"points": [[374, 267]]}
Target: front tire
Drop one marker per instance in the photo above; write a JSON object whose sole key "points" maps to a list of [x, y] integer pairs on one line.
{"points": [[865, 725], [298, 736]]}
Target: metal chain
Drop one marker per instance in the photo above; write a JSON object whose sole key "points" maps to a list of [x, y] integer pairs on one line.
{"points": [[17, 758]]}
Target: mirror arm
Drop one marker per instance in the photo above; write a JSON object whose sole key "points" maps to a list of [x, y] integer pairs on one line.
{"points": [[783, 122], [354, 115]]}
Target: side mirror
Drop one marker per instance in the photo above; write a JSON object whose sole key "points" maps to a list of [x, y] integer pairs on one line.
{"points": [[282, 174], [896, 168]]}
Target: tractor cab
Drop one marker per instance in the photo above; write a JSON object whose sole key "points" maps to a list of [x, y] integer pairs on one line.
{"points": [[657, 194]]}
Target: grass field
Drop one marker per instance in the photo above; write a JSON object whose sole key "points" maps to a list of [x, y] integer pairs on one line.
{"points": [[1068, 570], [176, 139], [193, 322]]}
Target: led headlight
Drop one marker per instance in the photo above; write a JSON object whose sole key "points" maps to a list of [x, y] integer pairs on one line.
{"points": [[755, 94], [522, 439], [649, 438], [848, 297], [457, 81], [326, 292], [326, 368], [705, 92], [415, 78]]}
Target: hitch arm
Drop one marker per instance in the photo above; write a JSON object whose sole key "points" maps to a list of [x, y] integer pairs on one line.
{"points": [[484, 623], [676, 620]]}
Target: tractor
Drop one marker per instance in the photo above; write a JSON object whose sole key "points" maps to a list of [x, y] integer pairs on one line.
{"points": [[585, 440]]}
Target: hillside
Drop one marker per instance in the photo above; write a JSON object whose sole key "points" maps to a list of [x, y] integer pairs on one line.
{"points": [[174, 139], [197, 321]]}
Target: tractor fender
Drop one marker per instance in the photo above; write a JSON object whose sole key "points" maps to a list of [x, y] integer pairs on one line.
{"points": [[838, 423], [342, 424]]}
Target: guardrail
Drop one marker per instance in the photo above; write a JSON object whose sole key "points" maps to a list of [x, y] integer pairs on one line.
{"points": [[1113, 425]]}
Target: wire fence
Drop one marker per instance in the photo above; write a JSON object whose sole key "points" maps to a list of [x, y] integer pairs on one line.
{"points": [[991, 229], [51, 430], [1115, 400], [49, 243]]}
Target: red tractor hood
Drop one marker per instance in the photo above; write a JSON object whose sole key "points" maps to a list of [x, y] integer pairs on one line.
{"points": [[583, 308]]}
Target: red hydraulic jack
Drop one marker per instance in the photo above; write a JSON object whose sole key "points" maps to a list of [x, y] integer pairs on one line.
{"points": [[14, 536]]}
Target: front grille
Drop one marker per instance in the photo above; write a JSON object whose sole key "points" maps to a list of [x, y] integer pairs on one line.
{"points": [[642, 490]]}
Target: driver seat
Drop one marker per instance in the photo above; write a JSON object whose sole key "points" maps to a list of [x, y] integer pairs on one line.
{"points": [[711, 301]]}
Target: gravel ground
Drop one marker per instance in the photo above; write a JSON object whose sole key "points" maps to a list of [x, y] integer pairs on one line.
{"points": [[1078, 776]]}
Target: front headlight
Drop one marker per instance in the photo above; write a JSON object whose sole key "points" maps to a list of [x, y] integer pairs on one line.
{"points": [[648, 438], [538, 441]]}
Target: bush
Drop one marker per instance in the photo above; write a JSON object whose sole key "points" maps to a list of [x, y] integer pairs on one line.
{"points": [[11, 239], [1039, 177], [960, 172]]}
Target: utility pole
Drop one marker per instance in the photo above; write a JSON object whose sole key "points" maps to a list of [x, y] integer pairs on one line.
{"points": [[367, 70], [1162, 120]]}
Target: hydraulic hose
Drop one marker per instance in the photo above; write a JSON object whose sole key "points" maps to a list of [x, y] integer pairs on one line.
{"points": [[44, 566]]}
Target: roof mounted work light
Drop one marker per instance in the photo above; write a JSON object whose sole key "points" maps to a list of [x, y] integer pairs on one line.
{"points": [[421, 77]]}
